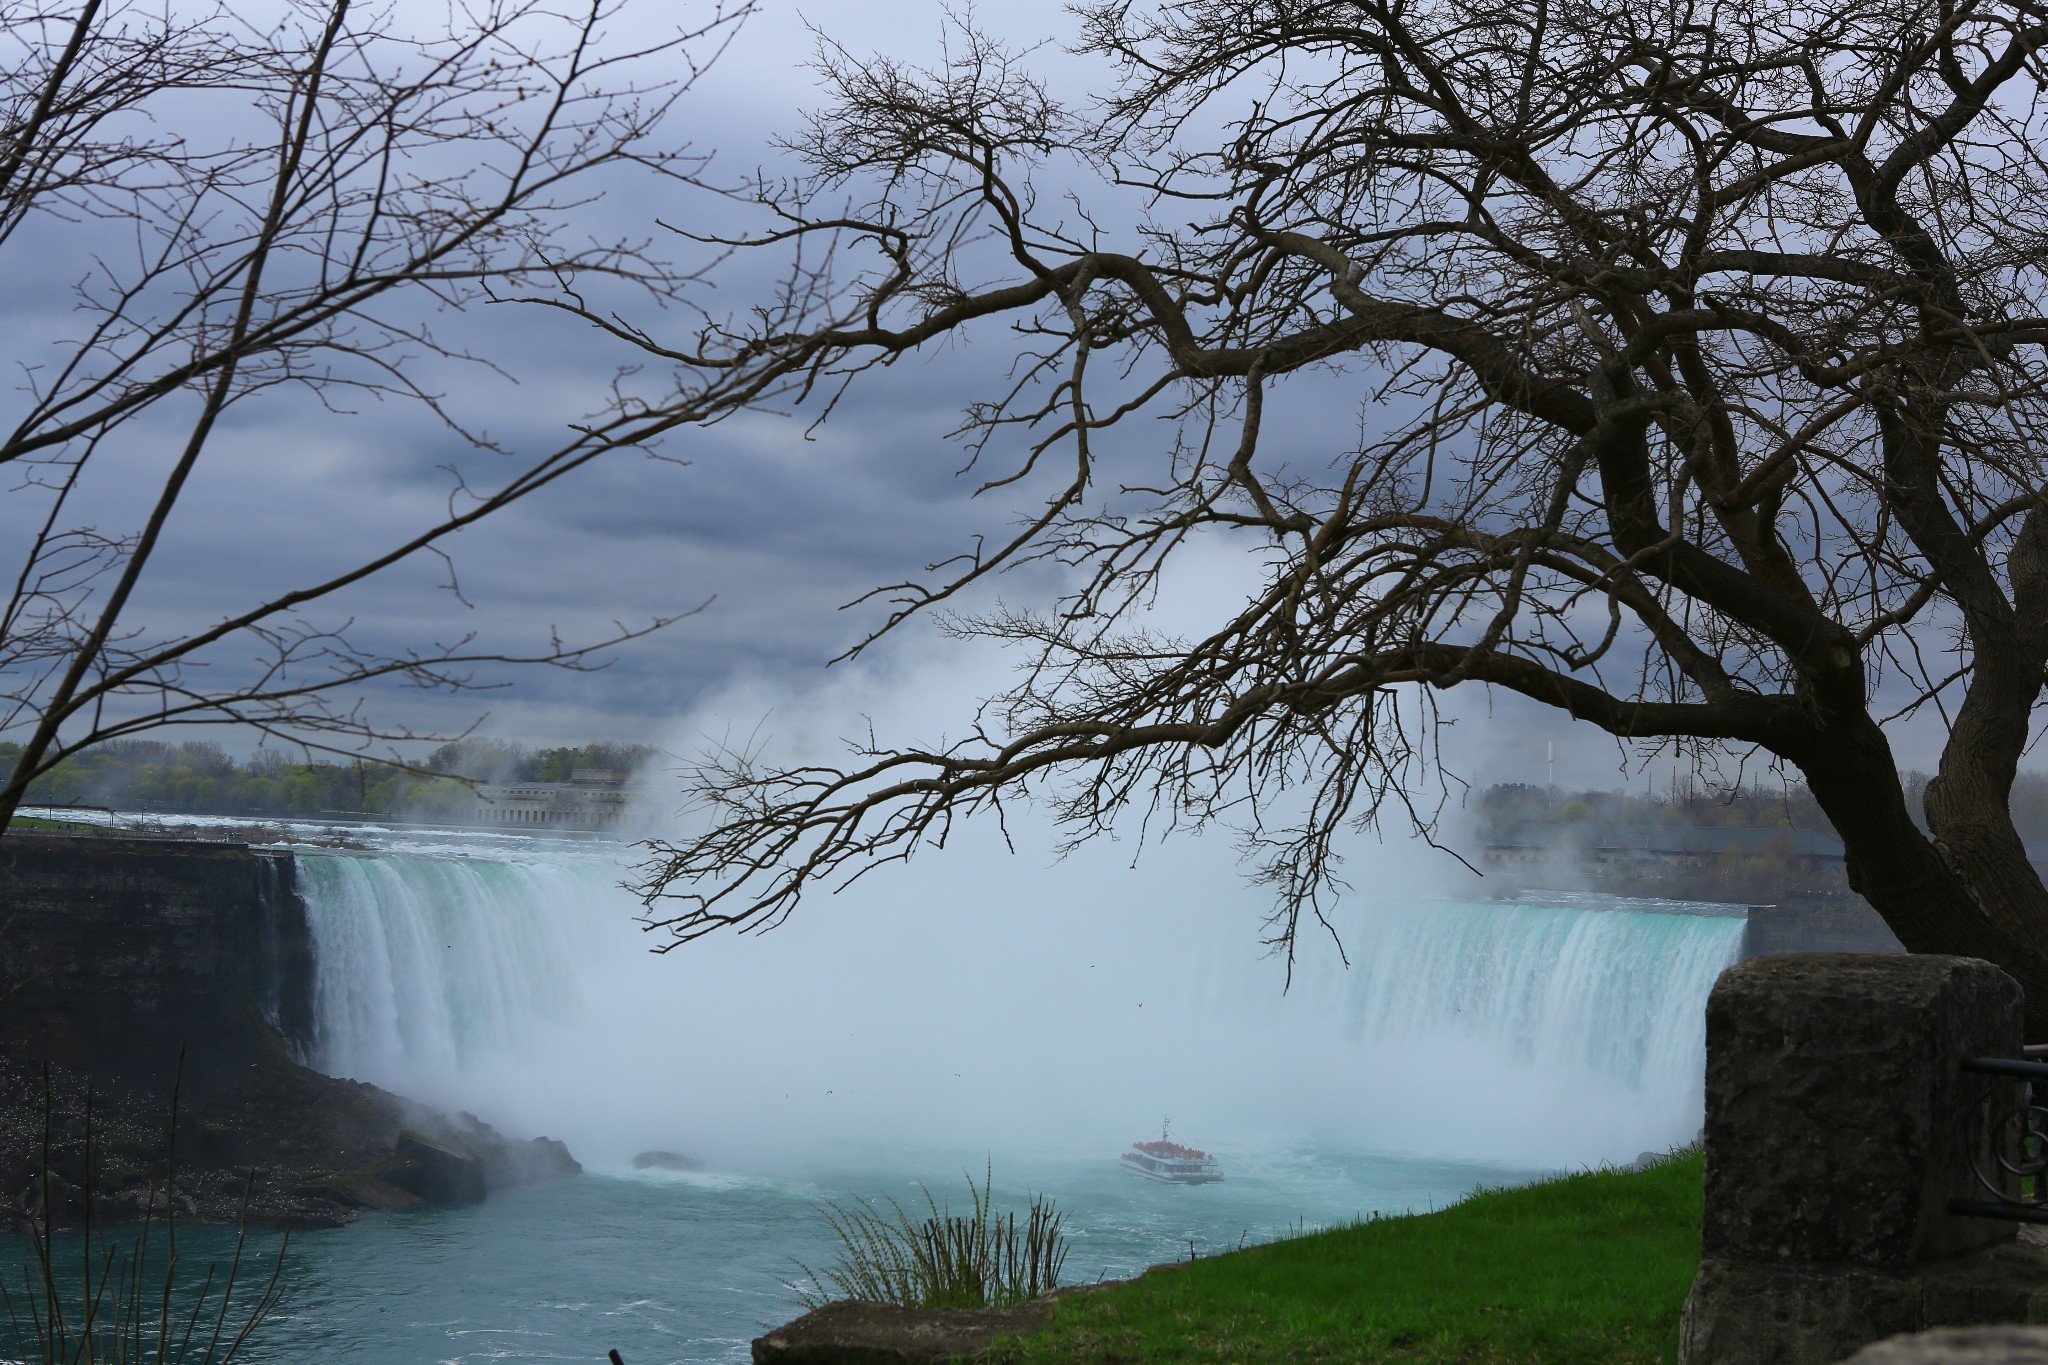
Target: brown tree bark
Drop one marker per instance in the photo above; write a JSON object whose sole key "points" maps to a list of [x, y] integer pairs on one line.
{"points": [[1925, 898]]}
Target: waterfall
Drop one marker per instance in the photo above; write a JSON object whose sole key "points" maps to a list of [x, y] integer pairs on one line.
{"points": [[1573, 1031], [1055, 1009], [426, 967], [1613, 991]]}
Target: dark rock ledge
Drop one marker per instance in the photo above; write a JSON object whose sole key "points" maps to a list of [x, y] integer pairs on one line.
{"points": [[309, 1150], [126, 962], [850, 1333]]}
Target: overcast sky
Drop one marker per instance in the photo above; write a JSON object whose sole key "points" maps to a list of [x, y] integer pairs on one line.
{"points": [[770, 532]]}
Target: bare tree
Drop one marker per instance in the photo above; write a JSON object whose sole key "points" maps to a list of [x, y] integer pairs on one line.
{"points": [[275, 201], [1698, 351]]}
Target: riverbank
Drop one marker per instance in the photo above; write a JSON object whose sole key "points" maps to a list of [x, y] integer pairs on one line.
{"points": [[1587, 1269]]}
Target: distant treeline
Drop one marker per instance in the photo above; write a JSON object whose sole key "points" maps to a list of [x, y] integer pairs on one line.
{"points": [[199, 778], [497, 760]]}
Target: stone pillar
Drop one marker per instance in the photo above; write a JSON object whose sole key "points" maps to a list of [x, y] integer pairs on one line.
{"points": [[1836, 1133]]}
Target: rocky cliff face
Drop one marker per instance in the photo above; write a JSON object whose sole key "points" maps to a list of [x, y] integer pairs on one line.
{"points": [[115, 953], [117, 956]]}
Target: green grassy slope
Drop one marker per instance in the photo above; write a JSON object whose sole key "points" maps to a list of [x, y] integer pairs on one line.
{"points": [[1583, 1269]]}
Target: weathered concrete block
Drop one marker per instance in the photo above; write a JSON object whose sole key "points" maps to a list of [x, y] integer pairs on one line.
{"points": [[1835, 1123]]}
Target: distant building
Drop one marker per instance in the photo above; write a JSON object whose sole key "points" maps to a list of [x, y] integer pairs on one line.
{"points": [[592, 799]]}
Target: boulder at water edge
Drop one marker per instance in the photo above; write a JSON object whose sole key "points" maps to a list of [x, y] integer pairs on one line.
{"points": [[884, 1334], [438, 1172]]}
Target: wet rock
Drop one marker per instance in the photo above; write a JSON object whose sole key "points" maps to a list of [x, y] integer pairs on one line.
{"points": [[51, 1199], [884, 1334], [508, 1164], [361, 1190], [123, 955], [127, 963], [439, 1172], [214, 1145], [305, 1150]]}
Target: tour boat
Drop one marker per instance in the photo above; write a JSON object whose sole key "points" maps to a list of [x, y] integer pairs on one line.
{"points": [[1169, 1161]]}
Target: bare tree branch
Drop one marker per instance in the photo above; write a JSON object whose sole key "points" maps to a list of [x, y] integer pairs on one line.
{"points": [[1700, 368], [372, 174]]}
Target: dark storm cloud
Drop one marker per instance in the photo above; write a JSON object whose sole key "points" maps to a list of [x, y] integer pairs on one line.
{"points": [[769, 529], [774, 531]]}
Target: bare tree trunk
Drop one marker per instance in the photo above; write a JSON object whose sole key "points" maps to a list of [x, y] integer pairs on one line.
{"points": [[1924, 898]]}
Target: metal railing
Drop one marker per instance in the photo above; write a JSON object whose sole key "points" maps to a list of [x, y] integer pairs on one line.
{"points": [[2007, 1135]]}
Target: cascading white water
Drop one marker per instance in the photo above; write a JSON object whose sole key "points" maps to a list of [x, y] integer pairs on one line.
{"points": [[1616, 991], [1575, 1031], [428, 966], [1056, 1010]]}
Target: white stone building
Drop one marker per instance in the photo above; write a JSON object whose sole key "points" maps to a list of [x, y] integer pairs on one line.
{"points": [[592, 799]]}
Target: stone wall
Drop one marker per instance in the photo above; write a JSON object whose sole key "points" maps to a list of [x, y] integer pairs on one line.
{"points": [[1838, 1133], [115, 952], [1818, 924]]}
